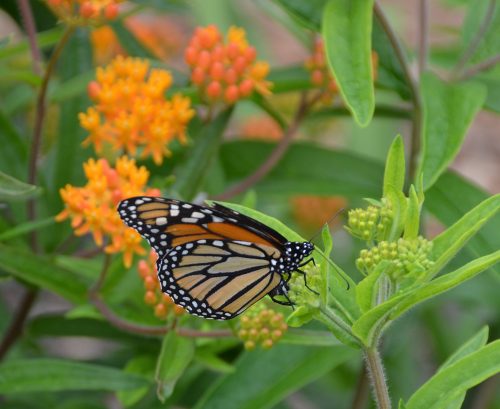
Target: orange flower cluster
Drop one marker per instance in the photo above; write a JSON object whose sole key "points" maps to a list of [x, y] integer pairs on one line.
{"points": [[320, 75], [311, 212], [225, 72], [92, 208], [74, 10], [261, 325], [162, 303], [131, 110]]}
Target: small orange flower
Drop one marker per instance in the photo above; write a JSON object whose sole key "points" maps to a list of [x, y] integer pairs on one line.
{"points": [[131, 111], [162, 303], [225, 72], [81, 12], [92, 208], [320, 75]]}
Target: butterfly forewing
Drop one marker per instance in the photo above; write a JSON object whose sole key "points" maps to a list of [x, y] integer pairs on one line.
{"points": [[213, 261]]}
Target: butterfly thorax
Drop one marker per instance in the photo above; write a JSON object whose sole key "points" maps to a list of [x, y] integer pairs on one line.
{"points": [[295, 252]]}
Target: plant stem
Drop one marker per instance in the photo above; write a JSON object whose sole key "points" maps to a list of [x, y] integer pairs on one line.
{"points": [[30, 27], [414, 89], [362, 390], [333, 319], [423, 42], [376, 372], [16, 326], [471, 49], [39, 119], [277, 153], [482, 66]]}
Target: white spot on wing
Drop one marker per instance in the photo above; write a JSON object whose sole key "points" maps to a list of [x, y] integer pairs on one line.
{"points": [[160, 221]]}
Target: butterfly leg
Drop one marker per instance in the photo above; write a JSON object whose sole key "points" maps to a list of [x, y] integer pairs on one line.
{"points": [[281, 290], [305, 281]]}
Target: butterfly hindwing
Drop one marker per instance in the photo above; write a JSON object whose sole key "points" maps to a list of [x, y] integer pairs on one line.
{"points": [[218, 279]]}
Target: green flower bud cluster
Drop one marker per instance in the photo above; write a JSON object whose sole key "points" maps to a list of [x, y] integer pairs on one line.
{"points": [[299, 293], [261, 326], [372, 223], [408, 257]]}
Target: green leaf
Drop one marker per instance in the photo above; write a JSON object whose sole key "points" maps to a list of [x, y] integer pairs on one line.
{"points": [[448, 111], [27, 227], [306, 168], [472, 345], [447, 244], [395, 169], [412, 223], [307, 13], [452, 197], [457, 378], [42, 272], [44, 40], [176, 354], [14, 154], [263, 378], [390, 74], [346, 30], [190, 177], [367, 289], [308, 337], [210, 360], [325, 267], [371, 324], [446, 282], [399, 206], [140, 365], [51, 375], [300, 316], [129, 42], [13, 189]]}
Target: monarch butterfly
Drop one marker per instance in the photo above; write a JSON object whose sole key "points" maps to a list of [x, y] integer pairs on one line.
{"points": [[214, 261]]}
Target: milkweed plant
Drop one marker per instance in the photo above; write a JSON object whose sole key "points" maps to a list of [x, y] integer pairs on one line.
{"points": [[348, 146]]}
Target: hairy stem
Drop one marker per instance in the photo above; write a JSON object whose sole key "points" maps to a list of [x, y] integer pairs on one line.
{"points": [[377, 377]]}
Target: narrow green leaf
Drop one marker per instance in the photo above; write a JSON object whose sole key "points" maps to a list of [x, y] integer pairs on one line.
{"points": [[210, 360], [446, 282], [263, 378], [300, 316], [27, 227], [452, 197], [306, 168], [176, 354], [309, 337], [412, 223], [129, 42], [44, 40], [447, 244], [307, 13], [325, 267], [346, 29], [448, 111], [42, 272], [142, 365], [478, 341], [51, 375], [395, 168], [190, 177], [14, 154], [367, 288], [399, 208], [13, 189], [457, 378]]}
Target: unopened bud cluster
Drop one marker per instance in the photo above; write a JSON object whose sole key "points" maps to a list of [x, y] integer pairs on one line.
{"points": [[225, 71], [261, 326], [163, 305], [302, 294], [372, 223], [408, 257], [84, 11]]}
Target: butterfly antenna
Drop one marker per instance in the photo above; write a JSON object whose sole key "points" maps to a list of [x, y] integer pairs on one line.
{"points": [[339, 271], [327, 223]]}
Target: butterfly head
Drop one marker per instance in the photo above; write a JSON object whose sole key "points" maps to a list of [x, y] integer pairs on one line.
{"points": [[295, 252]]}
